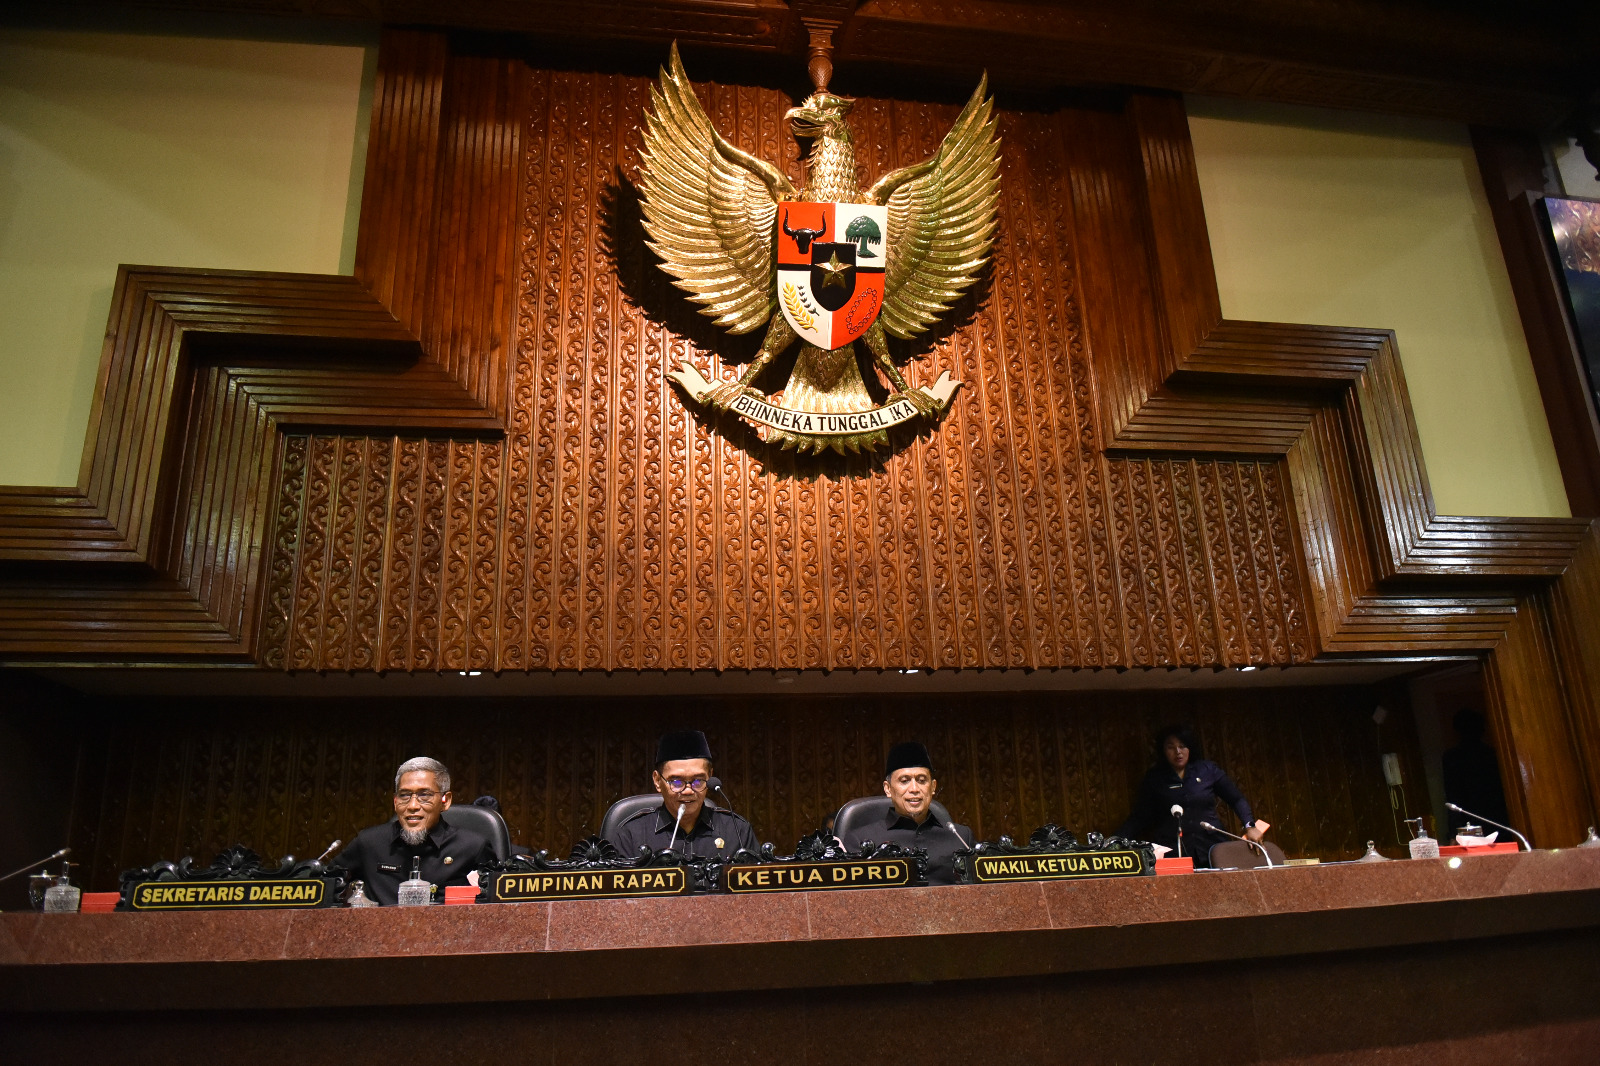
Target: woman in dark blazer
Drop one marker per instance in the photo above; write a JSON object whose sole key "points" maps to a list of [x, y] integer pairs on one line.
{"points": [[1182, 776]]}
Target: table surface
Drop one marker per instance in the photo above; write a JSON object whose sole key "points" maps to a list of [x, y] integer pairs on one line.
{"points": [[617, 947]]}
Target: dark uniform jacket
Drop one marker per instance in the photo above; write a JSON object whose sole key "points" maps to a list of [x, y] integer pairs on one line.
{"points": [[716, 833], [1202, 784], [380, 858], [941, 845]]}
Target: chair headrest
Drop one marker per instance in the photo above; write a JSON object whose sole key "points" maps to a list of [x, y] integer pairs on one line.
{"points": [[485, 822], [626, 808], [1237, 855], [867, 811]]}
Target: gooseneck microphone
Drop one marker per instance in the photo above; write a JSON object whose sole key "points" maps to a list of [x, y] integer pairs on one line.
{"points": [[1492, 822], [331, 847], [715, 785], [677, 821], [972, 849], [1177, 812], [951, 825], [63, 853], [1247, 840]]}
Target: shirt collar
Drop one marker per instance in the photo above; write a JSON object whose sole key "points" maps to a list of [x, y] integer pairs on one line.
{"points": [[895, 820], [664, 820]]}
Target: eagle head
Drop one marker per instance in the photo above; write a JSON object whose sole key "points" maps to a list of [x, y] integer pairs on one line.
{"points": [[822, 115]]}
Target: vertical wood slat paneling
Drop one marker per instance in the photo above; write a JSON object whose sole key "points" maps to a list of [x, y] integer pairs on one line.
{"points": [[288, 777], [615, 528], [1576, 626], [401, 171]]}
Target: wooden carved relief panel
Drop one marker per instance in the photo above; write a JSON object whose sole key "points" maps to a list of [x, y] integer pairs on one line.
{"points": [[163, 779], [614, 528]]}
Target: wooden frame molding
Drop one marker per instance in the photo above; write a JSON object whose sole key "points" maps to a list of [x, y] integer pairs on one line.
{"points": [[1388, 574], [1515, 178], [157, 553]]}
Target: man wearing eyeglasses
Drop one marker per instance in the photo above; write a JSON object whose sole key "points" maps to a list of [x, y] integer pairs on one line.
{"points": [[381, 855], [684, 822]]}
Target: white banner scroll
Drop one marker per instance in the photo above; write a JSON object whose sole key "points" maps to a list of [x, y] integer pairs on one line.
{"points": [[815, 423]]}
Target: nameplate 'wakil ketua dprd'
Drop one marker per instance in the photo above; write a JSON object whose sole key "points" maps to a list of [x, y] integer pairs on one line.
{"points": [[990, 868], [1054, 854]]}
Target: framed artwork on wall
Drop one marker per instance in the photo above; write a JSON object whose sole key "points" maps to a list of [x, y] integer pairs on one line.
{"points": [[1575, 229]]}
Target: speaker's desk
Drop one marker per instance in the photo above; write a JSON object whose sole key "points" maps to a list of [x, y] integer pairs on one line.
{"points": [[1486, 959]]}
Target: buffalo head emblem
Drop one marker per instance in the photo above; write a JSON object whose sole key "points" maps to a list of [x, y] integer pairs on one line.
{"points": [[804, 237]]}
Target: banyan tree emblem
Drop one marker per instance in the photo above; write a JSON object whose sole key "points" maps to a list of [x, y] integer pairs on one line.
{"points": [[826, 265]]}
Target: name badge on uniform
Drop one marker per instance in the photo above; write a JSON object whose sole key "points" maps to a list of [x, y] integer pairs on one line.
{"points": [[389, 869]]}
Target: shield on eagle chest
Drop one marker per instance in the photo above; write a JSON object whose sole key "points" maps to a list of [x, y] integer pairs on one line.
{"points": [[830, 268]]}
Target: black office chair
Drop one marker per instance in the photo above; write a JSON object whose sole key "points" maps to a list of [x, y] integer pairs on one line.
{"points": [[1237, 855], [486, 823], [626, 808], [868, 812], [629, 806]]}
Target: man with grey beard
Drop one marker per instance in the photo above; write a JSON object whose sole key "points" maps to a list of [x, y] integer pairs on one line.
{"points": [[382, 855]]}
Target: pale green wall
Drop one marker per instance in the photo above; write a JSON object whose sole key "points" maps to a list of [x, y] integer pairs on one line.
{"points": [[1330, 218], [170, 151]]}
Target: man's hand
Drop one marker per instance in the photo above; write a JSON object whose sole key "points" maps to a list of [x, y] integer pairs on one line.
{"points": [[1254, 832]]}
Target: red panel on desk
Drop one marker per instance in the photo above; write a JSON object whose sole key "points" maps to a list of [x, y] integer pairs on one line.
{"points": [[1448, 850], [460, 894], [1184, 865]]}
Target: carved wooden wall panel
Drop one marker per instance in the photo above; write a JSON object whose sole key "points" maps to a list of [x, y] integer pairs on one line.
{"points": [[163, 780], [388, 552], [615, 529]]}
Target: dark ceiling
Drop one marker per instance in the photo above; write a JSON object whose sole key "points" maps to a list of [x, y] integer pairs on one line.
{"points": [[1525, 64]]}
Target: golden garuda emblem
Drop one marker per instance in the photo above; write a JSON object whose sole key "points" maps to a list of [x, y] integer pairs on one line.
{"points": [[827, 264]]}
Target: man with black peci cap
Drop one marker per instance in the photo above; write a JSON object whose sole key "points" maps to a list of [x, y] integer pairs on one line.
{"points": [[684, 823], [909, 783]]}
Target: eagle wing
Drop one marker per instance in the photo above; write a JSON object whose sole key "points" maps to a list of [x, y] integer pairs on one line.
{"points": [[941, 220], [708, 207]]}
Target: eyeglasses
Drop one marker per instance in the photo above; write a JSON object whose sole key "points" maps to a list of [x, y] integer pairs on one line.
{"points": [[694, 784], [423, 797]]}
